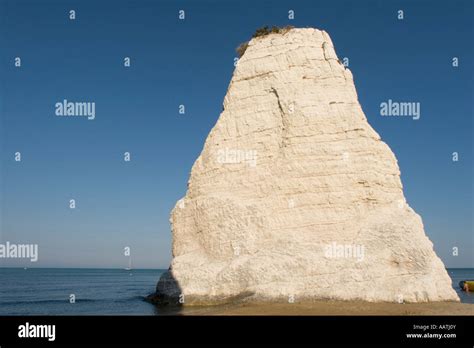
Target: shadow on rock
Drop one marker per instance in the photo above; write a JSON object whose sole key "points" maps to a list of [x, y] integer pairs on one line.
{"points": [[167, 295]]}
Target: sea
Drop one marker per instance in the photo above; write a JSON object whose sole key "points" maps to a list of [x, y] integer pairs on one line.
{"points": [[66, 291]]}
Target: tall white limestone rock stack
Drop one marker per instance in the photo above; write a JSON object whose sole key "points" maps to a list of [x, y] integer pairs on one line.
{"points": [[295, 196]]}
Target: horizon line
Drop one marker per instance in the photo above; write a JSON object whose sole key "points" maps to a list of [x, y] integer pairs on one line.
{"points": [[121, 268]]}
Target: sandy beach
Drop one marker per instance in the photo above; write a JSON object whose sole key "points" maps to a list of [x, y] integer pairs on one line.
{"points": [[335, 308]]}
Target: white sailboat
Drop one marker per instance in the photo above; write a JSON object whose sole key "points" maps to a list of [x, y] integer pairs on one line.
{"points": [[129, 268]]}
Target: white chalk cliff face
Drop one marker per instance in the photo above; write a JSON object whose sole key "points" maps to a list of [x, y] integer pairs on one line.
{"points": [[295, 197]]}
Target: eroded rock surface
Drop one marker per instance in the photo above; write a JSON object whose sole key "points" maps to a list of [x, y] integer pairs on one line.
{"points": [[295, 197]]}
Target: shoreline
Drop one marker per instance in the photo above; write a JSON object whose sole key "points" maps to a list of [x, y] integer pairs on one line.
{"points": [[330, 308]]}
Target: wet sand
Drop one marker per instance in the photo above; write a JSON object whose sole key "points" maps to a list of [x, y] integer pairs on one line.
{"points": [[335, 308]]}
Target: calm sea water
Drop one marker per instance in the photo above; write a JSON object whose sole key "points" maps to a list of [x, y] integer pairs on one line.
{"points": [[458, 274], [46, 291]]}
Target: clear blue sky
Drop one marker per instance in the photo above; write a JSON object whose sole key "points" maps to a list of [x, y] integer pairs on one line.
{"points": [[190, 62]]}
